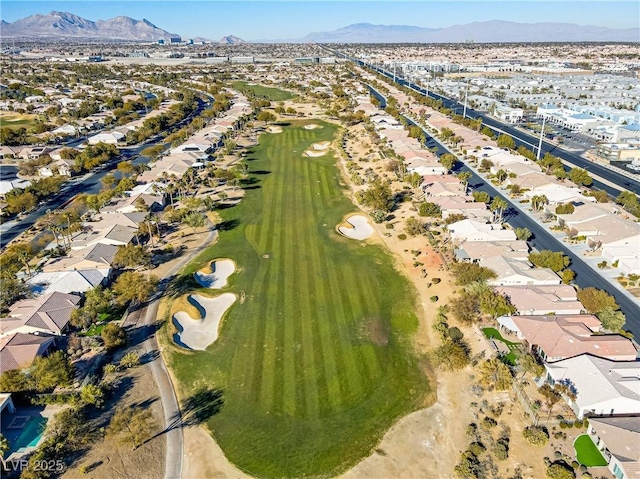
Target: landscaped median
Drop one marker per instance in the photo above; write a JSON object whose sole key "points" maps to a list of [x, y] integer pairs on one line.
{"points": [[315, 359]]}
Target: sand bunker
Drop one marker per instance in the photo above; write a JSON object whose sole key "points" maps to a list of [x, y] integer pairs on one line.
{"points": [[314, 153], [274, 129], [199, 333], [323, 145], [312, 126], [215, 275], [361, 228]]}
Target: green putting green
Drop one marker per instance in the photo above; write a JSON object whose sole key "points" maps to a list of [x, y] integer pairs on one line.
{"points": [[587, 453], [315, 361], [493, 333]]}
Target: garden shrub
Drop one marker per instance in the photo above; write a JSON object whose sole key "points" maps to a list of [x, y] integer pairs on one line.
{"points": [[536, 435]]}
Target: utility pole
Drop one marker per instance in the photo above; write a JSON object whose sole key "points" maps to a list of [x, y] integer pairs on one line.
{"points": [[466, 92], [544, 119]]}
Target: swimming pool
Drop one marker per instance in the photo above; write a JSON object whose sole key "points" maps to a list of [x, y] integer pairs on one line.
{"points": [[30, 435]]}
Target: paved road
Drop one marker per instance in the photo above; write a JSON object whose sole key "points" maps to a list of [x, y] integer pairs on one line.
{"points": [[145, 325], [518, 216], [621, 182]]}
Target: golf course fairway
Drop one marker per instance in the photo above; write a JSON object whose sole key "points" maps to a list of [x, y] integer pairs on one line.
{"points": [[315, 361]]}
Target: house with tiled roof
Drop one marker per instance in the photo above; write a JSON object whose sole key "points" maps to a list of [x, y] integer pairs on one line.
{"points": [[540, 299], [18, 350], [556, 337], [76, 281], [99, 256], [619, 440], [47, 314], [511, 271], [602, 387]]}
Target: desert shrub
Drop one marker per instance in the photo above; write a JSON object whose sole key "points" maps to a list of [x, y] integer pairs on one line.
{"points": [[434, 299], [501, 449], [471, 430], [536, 435], [489, 422], [477, 448], [130, 360], [560, 470], [402, 236], [389, 226], [436, 280]]}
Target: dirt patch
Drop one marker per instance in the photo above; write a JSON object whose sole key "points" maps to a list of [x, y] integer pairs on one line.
{"points": [[377, 330], [108, 458]]}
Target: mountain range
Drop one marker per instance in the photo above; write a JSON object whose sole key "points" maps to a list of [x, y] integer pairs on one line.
{"points": [[67, 25], [63, 25], [494, 31]]}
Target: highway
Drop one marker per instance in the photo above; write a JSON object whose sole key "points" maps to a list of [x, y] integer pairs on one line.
{"points": [[542, 239], [90, 183], [620, 181]]}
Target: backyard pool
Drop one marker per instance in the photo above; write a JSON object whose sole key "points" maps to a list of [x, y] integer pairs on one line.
{"points": [[29, 437]]}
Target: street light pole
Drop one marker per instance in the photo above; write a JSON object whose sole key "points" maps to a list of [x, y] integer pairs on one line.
{"points": [[544, 119], [466, 92]]}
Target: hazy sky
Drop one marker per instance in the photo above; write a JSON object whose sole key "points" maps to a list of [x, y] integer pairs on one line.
{"points": [[262, 19]]}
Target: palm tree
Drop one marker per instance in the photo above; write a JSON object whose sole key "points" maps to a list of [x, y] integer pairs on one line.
{"points": [[464, 176], [497, 206], [538, 202]]}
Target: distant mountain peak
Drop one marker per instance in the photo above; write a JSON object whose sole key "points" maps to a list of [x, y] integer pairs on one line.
{"points": [[231, 40], [493, 31], [67, 25]]}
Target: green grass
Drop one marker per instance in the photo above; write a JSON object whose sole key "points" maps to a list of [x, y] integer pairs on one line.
{"points": [[273, 94], [587, 453], [16, 120], [94, 330], [316, 363], [493, 333]]}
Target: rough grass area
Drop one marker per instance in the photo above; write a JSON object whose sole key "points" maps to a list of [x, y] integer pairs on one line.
{"points": [[587, 453], [493, 333], [315, 360], [273, 94], [16, 120]]}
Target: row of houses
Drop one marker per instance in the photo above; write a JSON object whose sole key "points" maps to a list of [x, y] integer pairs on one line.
{"points": [[601, 369], [416, 159], [30, 327], [197, 148]]}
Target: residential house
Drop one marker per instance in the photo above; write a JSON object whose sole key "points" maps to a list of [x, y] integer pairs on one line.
{"points": [[602, 387], [34, 152], [98, 256], [464, 205], [472, 230], [515, 272], [605, 229], [476, 251], [540, 300], [108, 137], [554, 338], [18, 350], [60, 167], [76, 281], [47, 314], [619, 440]]}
